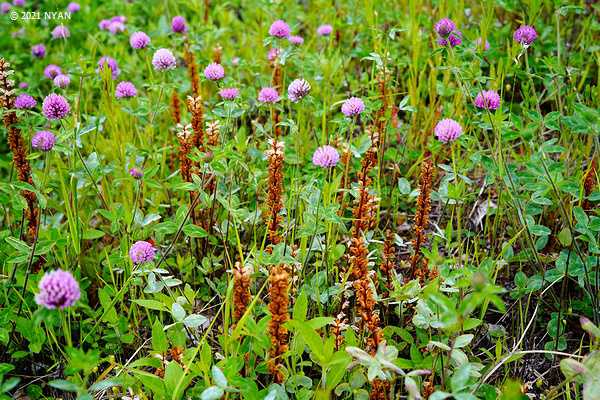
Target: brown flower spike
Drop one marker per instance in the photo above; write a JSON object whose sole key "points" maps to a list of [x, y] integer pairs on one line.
{"points": [[275, 188], [241, 291], [17, 143], [279, 281], [422, 220]]}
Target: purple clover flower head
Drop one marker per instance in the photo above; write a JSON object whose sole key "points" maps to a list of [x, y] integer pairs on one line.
{"points": [[142, 252], [58, 289], [111, 63], [61, 32], [298, 89], [485, 47], [43, 140], [525, 35], [139, 40], [178, 24], [73, 7], [273, 54], [23, 85], [104, 24], [119, 18], [115, 27], [38, 50], [487, 100], [454, 39], [214, 72], [229, 93], [62, 81], [353, 107], [326, 157], [4, 8], [296, 40], [51, 71], [18, 3], [163, 60], [125, 89], [324, 30], [444, 27], [447, 130], [136, 173], [279, 29], [268, 95], [55, 107], [25, 102]]}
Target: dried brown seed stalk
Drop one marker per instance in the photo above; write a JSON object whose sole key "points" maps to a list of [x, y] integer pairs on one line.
{"points": [[275, 189], [195, 107], [279, 280], [241, 291], [422, 219], [17, 144]]}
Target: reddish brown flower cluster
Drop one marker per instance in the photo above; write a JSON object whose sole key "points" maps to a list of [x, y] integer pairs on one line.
{"points": [[17, 144], [184, 134], [192, 67], [213, 133], [388, 262], [275, 189], [217, 54], [175, 107], [589, 181], [279, 281], [418, 267], [195, 107], [241, 291], [364, 219]]}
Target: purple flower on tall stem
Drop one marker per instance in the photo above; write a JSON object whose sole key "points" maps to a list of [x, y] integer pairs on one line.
{"points": [[142, 252], [125, 89], [326, 157], [18, 3], [444, 27], [136, 173], [62, 81], [454, 39], [4, 8], [214, 72], [279, 29], [51, 71], [163, 60], [353, 107], [296, 40], [25, 102], [58, 289], [268, 95], [111, 63], [139, 40], [60, 32], [487, 100], [178, 24], [447, 130], [43, 140], [23, 85], [273, 53], [298, 89], [324, 30], [229, 93], [73, 7], [525, 35], [38, 50], [55, 107]]}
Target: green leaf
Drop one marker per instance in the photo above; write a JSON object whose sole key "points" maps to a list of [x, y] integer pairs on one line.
{"points": [[194, 231], [91, 234], [194, 320], [462, 341], [151, 304], [178, 312], [64, 385], [212, 393], [219, 377], [159, 337], [301, 307]]}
